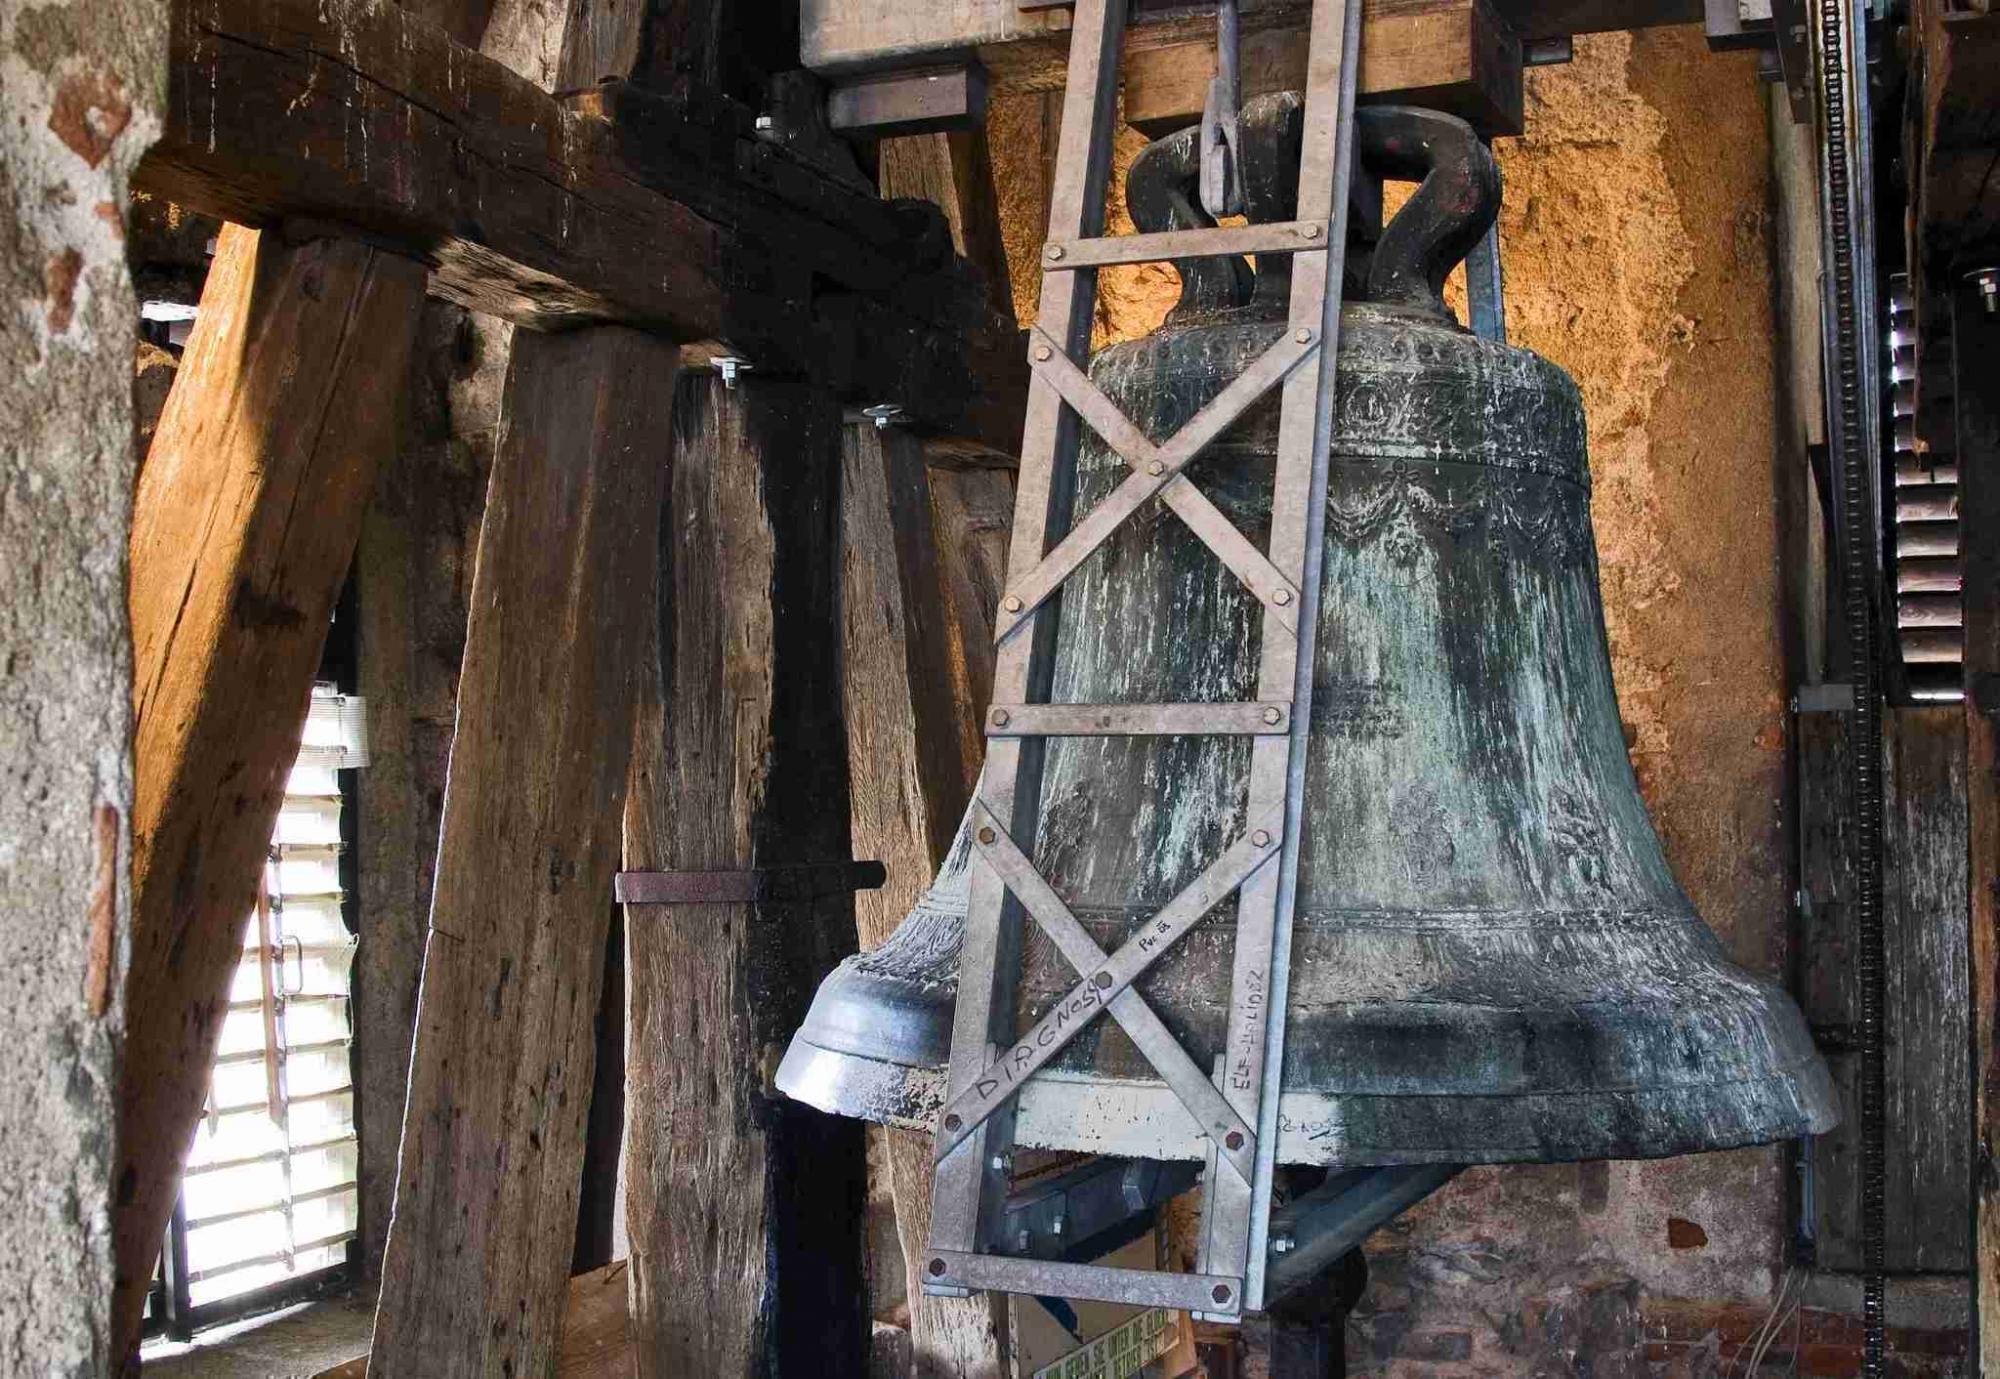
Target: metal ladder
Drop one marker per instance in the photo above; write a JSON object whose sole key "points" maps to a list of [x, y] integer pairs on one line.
{"points": [[1237, 1108]]}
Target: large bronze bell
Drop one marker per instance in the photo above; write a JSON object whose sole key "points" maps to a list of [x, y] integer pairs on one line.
{"points": [[1492, 961]]}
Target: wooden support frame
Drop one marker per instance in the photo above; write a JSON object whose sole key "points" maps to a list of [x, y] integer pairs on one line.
{"points": [[744, 1208], [286, 401], [666, 210], [500, 1071]]}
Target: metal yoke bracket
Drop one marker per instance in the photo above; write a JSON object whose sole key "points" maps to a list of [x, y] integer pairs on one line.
{"points": [[1236, 1103]]}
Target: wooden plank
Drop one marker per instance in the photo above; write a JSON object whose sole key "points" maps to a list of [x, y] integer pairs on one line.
{"points": [[286, 399], [1925, 916], [1458, 57], [909, 733], [1976, 350], [972, 516], [904, 103], [744, 1208], [596, 1333], [500, 1071], [664, 210], [1419, 50]]}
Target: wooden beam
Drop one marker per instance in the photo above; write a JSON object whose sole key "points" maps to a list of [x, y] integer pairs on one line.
{"points": [[1427, 51], [662, 210], [1977, 355], [904, 103], [1458, 57], [596, 1333], [500, 1071], [744, 1208], [245, 519], [910, 616]]}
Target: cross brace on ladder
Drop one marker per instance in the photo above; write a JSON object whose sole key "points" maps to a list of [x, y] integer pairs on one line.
{"points": [[1236, 1103]]}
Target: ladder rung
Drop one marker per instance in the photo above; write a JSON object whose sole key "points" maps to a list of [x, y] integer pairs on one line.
{"points": [[1138, 720], [1282, 237]]}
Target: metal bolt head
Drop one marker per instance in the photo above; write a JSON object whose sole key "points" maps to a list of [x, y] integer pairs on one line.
{"points": [[1043, 354], [883, 414], [1274, 715], [1988, 282], [988, 836], [1056, 1226], [1011, 604], [952, 1124], [1220, 1292], [1282, 598], [1303, 335], [1055, 251], [1103, 981], [765, 122], [998, 1163], [1281, 1244], [1156, 469], [937, 1268], [1022, 1242], [1310, 231], [1232, 1141], [1261, 838], [1001, 718]]}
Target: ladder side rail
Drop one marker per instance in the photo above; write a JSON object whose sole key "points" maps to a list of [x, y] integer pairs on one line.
{"points": [[1237, 1218], [968, 1186]]}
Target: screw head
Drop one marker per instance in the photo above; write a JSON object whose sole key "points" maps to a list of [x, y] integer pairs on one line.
{"points": [[1310, 232], [1055, 251], [1282, 598], [952, 1123], [1302, 335], [1281, 1244], [1001, 718], [1233, 1140], [1011, 604], [1274, 715], [1043, 354], [1261, 838], [1220, 1292], [1156, 469], [1103, 981], [937, 1268], [988, 836]]}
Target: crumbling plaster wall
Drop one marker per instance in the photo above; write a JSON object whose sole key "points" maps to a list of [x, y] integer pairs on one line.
{"points": [[84, 83], [1637, 249]]}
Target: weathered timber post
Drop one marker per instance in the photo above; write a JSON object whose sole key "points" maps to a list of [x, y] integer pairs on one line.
{"points": [[1976, 356], [744, 1208], [917, 627], [245, 519], [474, 1280]]}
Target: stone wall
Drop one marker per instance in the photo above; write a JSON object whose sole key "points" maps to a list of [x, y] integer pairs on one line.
{"points": [[84, 83]]}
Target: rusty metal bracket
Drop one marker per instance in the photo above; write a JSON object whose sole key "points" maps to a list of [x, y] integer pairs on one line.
{"points": [[767, 885]]}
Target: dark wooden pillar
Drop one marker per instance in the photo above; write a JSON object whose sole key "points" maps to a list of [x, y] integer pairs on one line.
{"points": [[243, 526], [1977, 360], [474, 1280], [744, 1208]]}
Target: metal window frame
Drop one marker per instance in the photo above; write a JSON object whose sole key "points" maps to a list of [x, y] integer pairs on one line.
{"points": [[1239, 1105]]}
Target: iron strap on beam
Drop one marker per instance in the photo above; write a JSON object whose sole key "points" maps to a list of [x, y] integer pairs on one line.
{"points": [[767, 885]]}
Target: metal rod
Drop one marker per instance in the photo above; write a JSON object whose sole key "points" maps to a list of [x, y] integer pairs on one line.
{"points": [[1138, 720]]}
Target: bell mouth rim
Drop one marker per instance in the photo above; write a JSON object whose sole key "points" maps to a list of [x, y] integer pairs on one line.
{"points": [[1087, 1114]]}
